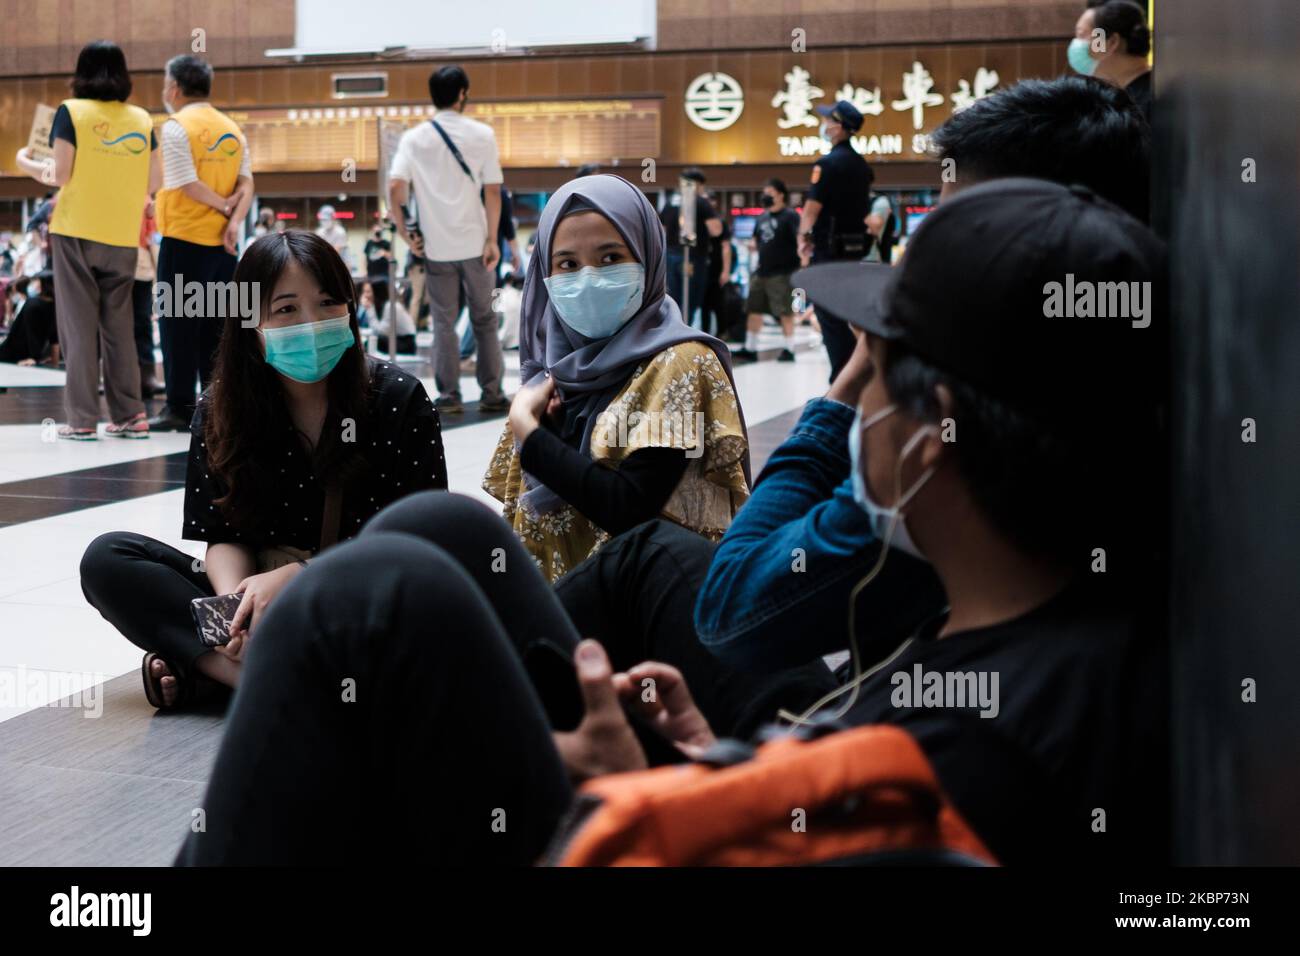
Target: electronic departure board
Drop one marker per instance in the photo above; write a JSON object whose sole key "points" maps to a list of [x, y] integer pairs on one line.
{"points": [[542, 133]]}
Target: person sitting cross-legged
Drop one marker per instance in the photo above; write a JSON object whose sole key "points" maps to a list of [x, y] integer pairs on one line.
{"points": [[434, 615]]}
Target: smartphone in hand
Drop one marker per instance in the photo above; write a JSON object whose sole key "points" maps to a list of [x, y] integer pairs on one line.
{"points": [[213, 617], [551, 669]]}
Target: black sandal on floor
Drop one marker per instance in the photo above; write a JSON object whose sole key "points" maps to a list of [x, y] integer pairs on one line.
{"points": [[191, 689], [153, 691]]}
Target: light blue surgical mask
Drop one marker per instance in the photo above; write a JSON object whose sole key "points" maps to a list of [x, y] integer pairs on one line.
{"points": [[597, 302], [309, 351], [1080, 57], [887, 524]]}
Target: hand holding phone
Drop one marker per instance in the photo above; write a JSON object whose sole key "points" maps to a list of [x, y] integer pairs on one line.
{"points": [[555, 677], [213, 617]]}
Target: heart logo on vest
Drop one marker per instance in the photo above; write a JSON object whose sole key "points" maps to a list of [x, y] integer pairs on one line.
{"points": [[133, 142]]}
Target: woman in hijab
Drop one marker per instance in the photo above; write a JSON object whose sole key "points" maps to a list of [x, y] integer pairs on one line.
{"points": [[625, 413]]}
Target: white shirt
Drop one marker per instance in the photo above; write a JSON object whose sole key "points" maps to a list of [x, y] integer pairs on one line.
{"points": [[33, 260], [510, 303], [405, 325], [336, 236], [450, 211]]}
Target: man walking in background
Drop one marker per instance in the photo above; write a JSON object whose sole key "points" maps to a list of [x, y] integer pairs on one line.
{"points": [[776, 237], [452, 165], [207, 189]]}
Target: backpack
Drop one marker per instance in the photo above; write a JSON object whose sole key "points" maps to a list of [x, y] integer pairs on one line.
{"points": [[863, 796]]}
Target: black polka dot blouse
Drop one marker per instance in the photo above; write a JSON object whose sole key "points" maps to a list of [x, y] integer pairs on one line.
{"points": [[402, 444]]}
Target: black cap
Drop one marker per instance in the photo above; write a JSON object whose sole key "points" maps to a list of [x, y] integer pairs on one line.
{"points": [[844, 113], [990, 290]]}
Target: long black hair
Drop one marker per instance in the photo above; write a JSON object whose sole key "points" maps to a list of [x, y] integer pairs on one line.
{"points": [[246, 419], [101, 72]]}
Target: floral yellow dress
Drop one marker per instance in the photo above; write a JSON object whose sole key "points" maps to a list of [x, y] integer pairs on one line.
{"points": [[680, 398]]}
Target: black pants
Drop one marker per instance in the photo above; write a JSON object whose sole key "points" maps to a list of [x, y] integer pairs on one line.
{"points": [[385, 713], [31, 334], [405, 344], [714, 319], [837, 336], [143, 588], [637, 594], [379, 286], [189, 343], [697, 285], [142, 303]]}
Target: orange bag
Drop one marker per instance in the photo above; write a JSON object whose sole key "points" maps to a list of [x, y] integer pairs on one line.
{"points": [[860, 796]]}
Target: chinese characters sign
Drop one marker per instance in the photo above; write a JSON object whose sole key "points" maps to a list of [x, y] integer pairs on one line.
{"points": [[714, 101]]}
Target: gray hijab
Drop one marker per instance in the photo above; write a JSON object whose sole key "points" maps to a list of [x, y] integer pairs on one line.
{"points": [[588, 373]]}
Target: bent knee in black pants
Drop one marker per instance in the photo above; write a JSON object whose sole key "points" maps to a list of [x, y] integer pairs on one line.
{"points": [[637, 594], [382, 715], [487, 549], [144, 587]]}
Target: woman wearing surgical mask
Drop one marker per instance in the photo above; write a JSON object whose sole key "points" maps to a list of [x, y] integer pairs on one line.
{"points": [[1112, 42], [625, 413], [106, 163], [297, 442]]}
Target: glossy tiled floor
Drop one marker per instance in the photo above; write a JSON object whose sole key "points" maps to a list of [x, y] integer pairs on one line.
{"points": [[60, 776]]}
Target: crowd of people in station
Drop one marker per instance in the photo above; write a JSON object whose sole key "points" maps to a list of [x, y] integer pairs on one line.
{"points": [[968, 496]]}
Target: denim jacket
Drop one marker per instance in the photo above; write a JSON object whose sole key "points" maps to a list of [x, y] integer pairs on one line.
{"points": [[778, 587]]}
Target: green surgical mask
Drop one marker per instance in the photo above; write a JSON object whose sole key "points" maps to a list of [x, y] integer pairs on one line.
{"points": [[309, 351], [1080, 58]]}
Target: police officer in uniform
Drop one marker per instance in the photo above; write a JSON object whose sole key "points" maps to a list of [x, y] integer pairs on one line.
{"points": [[833, 225]]}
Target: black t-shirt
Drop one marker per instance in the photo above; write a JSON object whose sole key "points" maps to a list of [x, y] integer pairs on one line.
{"points": [[402, 444], [841, 182], [1079, 728], [376, 264], [61, 127], [777, 237], [704, 211]]}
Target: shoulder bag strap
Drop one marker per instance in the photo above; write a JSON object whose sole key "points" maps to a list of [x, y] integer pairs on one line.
{"points": [[454, 151]]}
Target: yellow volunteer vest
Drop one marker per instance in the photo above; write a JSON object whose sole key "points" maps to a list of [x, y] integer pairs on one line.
{"points": [[104, 199], [218, 149]]}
